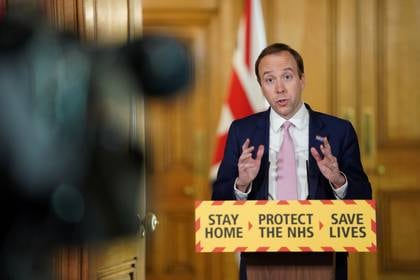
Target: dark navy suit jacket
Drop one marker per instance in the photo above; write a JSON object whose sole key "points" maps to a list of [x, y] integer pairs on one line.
{"points": [[344, 145]]}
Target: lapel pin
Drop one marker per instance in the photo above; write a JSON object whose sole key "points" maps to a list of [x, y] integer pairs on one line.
{"points": [[319, 138]]}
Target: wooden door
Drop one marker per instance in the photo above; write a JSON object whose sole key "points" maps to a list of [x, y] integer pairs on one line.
{"points": [[111, 22], [398, 140], [181, 133], [108, 23], [377, 61]]}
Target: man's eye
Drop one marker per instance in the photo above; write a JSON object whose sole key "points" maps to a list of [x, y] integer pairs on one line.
{"points": [[269, 80], [287, 77]]}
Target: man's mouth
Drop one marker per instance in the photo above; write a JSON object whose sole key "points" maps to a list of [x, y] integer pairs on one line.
{"points": [[282, 102]]}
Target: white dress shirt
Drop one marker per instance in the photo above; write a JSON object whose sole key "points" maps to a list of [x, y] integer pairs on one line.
{"points": [[299, 132]]}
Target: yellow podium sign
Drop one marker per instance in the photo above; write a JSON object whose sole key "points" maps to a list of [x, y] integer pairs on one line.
{"points": [[285, 226]]}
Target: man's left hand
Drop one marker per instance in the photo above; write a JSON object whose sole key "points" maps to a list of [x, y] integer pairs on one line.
{"points": [[328, 164]]}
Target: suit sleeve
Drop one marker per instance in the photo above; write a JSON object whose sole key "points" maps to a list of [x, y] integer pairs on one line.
{"points": [[228, 170], [358, 183]]}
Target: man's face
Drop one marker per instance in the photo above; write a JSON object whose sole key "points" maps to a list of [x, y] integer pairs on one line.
{"points": [[281, 84]]}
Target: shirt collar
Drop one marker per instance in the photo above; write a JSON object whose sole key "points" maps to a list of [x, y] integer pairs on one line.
{"points": [[300, 120]]}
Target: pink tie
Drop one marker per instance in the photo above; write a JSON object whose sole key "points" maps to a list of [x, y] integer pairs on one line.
{"points": [[286, 167]]}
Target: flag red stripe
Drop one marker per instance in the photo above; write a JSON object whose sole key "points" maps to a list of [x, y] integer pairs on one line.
{"points": [[237, 100], [220, 148], [248, 34]]}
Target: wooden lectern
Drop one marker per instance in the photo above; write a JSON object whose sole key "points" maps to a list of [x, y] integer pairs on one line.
{"points": [[288, 265]]}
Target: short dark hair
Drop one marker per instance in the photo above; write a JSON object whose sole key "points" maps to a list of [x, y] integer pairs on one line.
{"points": [[276, 48]]}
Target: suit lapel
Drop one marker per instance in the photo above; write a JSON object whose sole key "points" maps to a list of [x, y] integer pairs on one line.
{"points": [[263, 131], [316, 131]]}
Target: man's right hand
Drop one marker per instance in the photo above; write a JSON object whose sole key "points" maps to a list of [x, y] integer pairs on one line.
{"points": [[247, 166]]}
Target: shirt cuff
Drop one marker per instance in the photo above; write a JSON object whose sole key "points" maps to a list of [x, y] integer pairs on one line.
{"points": [[240, 195], [341, 192]]}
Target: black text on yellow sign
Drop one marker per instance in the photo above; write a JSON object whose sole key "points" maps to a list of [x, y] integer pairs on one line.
{"points": [[316, 225]]}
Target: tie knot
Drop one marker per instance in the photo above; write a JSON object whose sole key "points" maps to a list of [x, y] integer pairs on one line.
{"points": [[286, 125]]}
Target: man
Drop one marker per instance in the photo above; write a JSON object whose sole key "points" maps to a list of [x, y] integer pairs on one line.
{"points": [[290, 151]]}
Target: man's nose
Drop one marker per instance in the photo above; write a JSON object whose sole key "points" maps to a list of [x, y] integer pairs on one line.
{"points": [[279, 86]]}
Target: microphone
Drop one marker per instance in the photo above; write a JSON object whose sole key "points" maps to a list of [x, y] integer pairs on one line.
{"points": [[267, 179], [307, 178]]}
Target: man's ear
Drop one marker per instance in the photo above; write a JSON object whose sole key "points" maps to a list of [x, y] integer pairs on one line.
{"points": [[302, 80]]}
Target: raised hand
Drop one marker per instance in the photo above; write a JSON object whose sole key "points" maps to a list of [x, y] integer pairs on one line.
{"points": [[248, 167], [328, 164]]}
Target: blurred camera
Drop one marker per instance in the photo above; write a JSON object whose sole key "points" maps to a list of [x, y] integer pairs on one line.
{"points": [[69, 166]]}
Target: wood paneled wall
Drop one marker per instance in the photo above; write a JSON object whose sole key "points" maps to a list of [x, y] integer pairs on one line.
{"points": [[398, 138], [399, 66], [306, 26], [362, 59], [361, 63]]}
